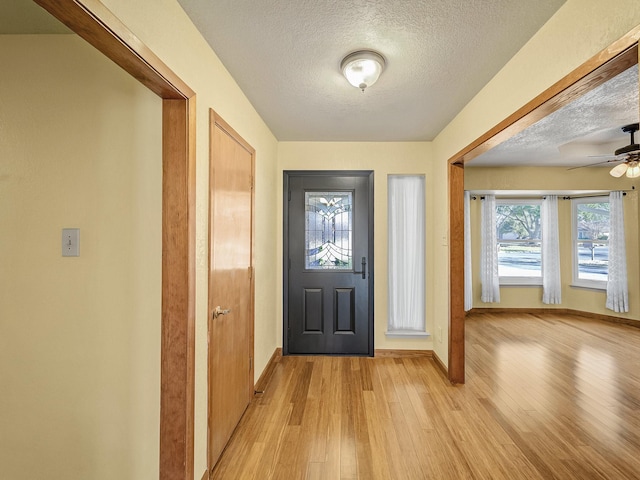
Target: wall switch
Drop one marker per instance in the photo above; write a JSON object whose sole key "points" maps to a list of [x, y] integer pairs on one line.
{"points": [[70, 242]]}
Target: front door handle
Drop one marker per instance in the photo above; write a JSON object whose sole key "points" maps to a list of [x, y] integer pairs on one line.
{"points": [[364, 268], [219, 311]]}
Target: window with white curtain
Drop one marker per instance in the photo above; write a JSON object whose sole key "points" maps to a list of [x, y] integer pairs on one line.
{"points": [[591, 229], [519, 241], [617, 283], [406, 246]]}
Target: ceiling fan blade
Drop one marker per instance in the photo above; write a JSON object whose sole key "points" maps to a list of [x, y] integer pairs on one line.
{"points": [[619, 170], [611, 160]]}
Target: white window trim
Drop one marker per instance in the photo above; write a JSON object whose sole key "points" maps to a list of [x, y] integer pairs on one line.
{"points": [[520, 281], [575, 281], [406, 334]]}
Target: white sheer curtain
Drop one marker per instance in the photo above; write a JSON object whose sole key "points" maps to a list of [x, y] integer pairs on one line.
{"points": [[551, 281], [489, 252], [468, 289], [406, 253], [617, 290]]}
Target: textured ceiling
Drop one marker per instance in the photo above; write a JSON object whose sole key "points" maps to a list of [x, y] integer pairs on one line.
{"points": [[584, 132], [426, 43], [285, 55]]}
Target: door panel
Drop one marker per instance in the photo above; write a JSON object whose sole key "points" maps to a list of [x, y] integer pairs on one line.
{"points": [[328, 242], [345, 310], [230, 284]]}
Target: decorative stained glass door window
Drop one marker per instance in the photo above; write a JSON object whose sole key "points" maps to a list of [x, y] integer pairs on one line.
{"points": [[328, 231]]}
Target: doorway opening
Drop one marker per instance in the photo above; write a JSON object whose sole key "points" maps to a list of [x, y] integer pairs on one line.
{"points": [[605, 65]]}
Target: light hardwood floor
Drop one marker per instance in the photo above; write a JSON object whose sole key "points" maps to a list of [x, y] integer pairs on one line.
{"points": [[547, 397]]}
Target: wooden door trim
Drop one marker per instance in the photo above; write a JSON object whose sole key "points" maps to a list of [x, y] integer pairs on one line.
{"points": [[456, 274], [217, 120], [285, 246], [603, 66], [95, 23], [91, 20]]}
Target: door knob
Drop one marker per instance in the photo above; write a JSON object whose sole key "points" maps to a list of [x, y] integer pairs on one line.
{"points": [[219, 311]]}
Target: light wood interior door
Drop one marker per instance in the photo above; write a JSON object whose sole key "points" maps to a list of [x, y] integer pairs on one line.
{"points": [[230, 283]]}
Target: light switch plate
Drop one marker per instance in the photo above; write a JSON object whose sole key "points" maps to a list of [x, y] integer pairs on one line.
{"points": [[70, 242]]}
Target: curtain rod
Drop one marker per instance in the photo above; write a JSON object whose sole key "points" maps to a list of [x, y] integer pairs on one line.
{"points": [[569, 197]]}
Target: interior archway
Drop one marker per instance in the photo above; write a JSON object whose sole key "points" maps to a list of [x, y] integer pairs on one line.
{"points": [[610, 62]]}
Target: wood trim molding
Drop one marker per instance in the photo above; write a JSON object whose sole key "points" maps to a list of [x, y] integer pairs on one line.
{"points": [[178, 291], [603, 66], [600, 68], [456, 352], [94, 22], [218, 120], [265, 377], [568, 311], [91, 20], [205, 475], [440, 365], [394, 353]]}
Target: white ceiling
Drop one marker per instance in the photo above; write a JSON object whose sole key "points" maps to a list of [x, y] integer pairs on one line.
{"points": [[436, 63], [285, 56]]}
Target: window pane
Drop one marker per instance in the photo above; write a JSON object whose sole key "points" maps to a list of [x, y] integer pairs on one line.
{"points": [[593, 221], [592, 233], [518, 221], [593, 261], [328, 230], [518, 230], [519, 259]]}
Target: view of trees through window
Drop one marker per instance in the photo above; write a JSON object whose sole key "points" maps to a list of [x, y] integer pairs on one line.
{"points": [[519, 238], [592, 239]]}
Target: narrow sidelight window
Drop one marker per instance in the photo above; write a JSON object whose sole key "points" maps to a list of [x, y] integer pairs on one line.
{"points": [[406, 212]]}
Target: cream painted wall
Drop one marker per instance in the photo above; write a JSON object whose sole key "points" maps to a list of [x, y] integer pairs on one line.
{"points": [[578, 31], [80, 146], [558, 179], [384, 159], [164, 27]]}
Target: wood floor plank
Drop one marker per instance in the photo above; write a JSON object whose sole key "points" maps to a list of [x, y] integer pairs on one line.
{"points": [[548, 396]]}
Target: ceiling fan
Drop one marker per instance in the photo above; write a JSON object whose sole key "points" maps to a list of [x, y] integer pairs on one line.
{"points": [[629, 155], [630, 166]]}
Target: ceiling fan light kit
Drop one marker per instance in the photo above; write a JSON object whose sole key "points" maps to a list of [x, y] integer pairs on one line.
{"points": [[633, 171], [618, 170], [362, 68], [630, 167]]}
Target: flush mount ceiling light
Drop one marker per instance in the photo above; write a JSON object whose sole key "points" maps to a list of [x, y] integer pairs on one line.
{"points": [[363, 68]]}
